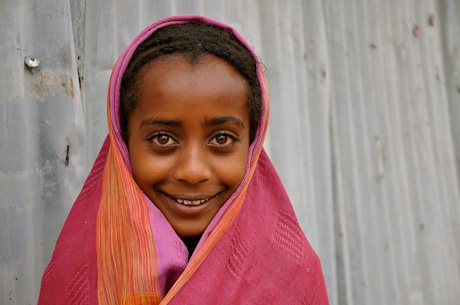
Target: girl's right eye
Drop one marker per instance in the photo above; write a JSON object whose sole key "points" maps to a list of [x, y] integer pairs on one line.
{"points": [[162, 140]]}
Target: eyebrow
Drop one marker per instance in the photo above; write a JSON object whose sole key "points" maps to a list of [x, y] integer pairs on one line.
{"points": [[163, 122], [225, 120]]}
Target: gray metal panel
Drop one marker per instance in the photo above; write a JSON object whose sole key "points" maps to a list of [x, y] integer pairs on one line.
{"points": [[41, 115], [364, 131]]}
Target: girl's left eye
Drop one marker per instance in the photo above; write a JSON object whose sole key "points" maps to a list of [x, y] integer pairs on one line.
{"points": [[222, 140]]}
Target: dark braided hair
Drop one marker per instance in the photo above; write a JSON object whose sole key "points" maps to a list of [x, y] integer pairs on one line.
{"points": [[193, 40]]}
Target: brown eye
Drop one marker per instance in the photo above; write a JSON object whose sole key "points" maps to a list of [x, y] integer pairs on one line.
{"points": [[222, 140], [163, 140]]}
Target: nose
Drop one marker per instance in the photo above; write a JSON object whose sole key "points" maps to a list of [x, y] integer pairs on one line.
{"points": [[192, 166]]}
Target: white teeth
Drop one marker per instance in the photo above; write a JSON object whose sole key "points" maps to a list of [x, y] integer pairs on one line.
{"points": [[191, 202]]}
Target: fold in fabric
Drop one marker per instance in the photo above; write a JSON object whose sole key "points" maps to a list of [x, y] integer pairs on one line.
{"points": [[116, 247]]}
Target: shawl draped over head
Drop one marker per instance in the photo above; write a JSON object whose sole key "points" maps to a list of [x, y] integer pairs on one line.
{"points": [[116, 247]]}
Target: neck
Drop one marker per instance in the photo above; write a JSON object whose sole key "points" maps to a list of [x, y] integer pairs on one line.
{"points": [[191, 243]]}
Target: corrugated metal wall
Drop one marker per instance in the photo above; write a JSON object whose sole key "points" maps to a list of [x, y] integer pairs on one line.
{"points": [[365, 130]]}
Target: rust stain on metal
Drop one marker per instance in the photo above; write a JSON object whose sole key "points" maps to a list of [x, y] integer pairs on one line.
{"points": [[69, 90], [416, 30], [50, 84], [45, 83]]}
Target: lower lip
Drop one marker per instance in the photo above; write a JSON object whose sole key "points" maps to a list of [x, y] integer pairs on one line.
{"points": [[189, 210]]}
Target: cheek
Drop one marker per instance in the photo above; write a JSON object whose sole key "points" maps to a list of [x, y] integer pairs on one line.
{"points": [[147, 169], [232, 170]]}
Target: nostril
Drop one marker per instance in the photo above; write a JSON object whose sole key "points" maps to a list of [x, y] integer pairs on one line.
{"points": [[192, 170]]}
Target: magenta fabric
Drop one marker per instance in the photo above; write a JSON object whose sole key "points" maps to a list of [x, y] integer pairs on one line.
{"points": [[71, 275]]}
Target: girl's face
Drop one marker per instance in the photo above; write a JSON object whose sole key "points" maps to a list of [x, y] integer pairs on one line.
{"points": [[189, 138]]}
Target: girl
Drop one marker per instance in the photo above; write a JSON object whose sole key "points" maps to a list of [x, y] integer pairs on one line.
{"points": [[183, 205]]}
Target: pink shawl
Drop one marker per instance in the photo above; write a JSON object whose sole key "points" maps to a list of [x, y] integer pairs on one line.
{"points": [[116, 247]]}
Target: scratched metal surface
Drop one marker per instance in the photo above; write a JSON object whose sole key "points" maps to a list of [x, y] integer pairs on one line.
{"points": [[365, 130]]}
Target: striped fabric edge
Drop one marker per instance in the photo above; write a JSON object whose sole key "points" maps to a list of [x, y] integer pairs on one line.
{"points": [[126, 258]]}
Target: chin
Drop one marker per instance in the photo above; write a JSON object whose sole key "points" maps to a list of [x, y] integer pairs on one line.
{"points": [[185, 232]]}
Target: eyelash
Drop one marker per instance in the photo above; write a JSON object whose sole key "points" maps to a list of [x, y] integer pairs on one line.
{"points": [[159, 134], [228, 135]]}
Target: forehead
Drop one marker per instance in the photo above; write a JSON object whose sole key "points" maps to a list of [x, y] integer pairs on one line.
{"points": [[173, 83], [175, 74], [177, 67]]}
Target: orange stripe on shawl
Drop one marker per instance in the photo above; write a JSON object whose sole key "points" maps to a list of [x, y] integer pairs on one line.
{"points": [[126, 260]]}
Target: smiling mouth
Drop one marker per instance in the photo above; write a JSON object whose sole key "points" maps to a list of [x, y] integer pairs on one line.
{"points": [[191, 202]]}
